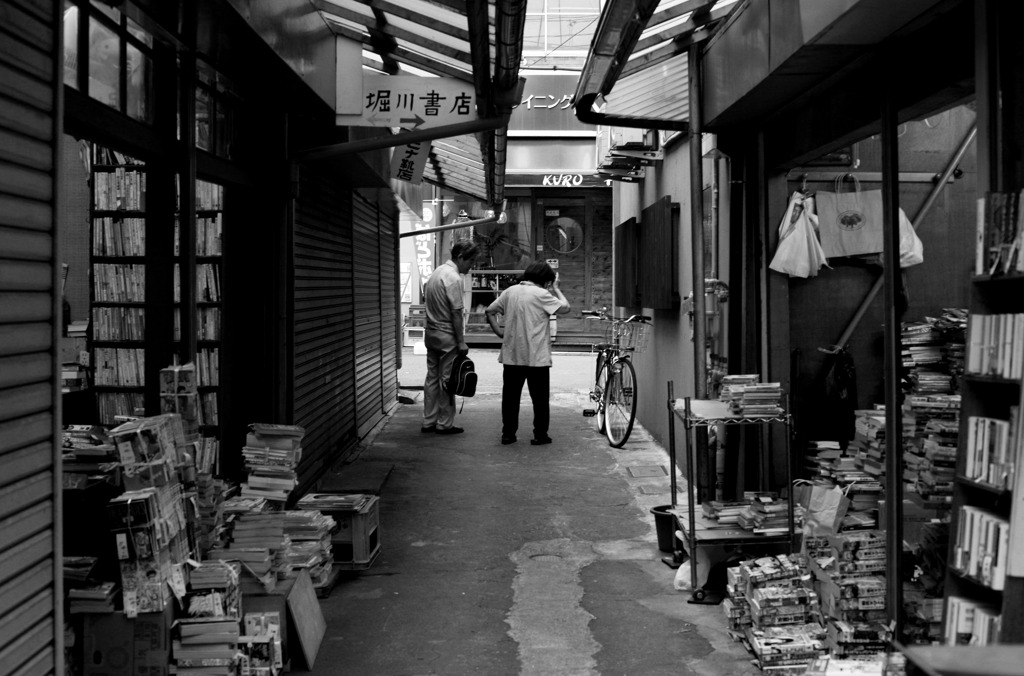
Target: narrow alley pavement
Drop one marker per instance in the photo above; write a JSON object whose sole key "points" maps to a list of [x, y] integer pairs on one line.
{"points": [[518, 559]]}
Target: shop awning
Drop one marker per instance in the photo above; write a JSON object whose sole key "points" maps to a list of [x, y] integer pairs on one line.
{"points": [[477, 41], [637, 71]]}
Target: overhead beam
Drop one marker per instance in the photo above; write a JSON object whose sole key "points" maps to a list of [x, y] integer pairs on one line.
{"points": [[416, 136]]}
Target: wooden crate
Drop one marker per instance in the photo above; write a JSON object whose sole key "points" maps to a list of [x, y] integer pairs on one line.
{"points": [[356, 542]]}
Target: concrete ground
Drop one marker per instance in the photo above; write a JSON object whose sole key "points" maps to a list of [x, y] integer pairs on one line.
{"points": [[517, 559]]}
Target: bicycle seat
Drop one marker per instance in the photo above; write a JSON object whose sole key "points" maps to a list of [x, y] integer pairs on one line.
{"points": [[602, 346]]}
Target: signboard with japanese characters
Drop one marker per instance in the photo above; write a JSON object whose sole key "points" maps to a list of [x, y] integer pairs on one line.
{"points": [[408, 161], [547, 104], [413, 102]]}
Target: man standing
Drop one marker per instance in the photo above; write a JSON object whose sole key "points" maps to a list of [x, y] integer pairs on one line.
{"points": [[526, 347], [444, 336]]}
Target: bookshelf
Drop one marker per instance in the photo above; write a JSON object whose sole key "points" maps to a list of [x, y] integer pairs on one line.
{"points": [[118, 282], [485, 287], [207, 320], [985, 579]]}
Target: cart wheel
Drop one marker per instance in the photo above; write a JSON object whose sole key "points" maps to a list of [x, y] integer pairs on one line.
{"points": [[699, 594]]}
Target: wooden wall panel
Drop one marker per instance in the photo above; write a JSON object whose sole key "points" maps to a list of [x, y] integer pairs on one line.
{"points": [[32, 625]]}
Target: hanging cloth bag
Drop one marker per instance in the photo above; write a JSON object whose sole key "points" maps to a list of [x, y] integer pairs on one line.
{"points": [[850, 221], [798, 253]]}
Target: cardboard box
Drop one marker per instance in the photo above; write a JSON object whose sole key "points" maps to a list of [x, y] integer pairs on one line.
{"points": [[117, 646]]}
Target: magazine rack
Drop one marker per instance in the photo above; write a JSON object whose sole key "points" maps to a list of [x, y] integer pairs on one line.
{"points": [[698, 530]]}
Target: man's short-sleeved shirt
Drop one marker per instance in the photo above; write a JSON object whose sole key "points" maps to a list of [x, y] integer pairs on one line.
{"points": [[527, 309], [442, 296]]}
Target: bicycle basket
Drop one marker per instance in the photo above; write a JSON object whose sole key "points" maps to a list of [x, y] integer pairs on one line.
{"points": [[632, 335]]}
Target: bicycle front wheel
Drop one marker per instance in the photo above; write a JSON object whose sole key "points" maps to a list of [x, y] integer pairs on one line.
{"points": [[619, 402], [600, 384]]}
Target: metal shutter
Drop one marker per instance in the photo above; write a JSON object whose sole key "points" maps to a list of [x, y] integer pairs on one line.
{"points": [[31, 626], [389, 310], [324, 401], [366, 241]]}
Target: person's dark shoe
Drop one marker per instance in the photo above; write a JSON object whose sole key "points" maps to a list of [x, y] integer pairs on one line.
{"points": [[540, 441], [428, 429], [508, 439], [449, 430]]}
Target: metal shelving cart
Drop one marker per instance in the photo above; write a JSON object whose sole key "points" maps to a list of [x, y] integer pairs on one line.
{"points": [[697, 529]]}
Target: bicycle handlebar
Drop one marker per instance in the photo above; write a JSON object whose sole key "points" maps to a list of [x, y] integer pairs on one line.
{"points": [[603, 314]]}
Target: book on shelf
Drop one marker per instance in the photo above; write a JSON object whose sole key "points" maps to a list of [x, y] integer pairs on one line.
{"points": [[1000, 234], [995, 345], [982, 546]]}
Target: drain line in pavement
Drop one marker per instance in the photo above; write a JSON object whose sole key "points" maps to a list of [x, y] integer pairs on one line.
{"points": [[547, 620]]}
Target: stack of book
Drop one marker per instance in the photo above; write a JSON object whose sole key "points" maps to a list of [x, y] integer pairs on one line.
{"points": [[783, 630], [150, 449], [179, 393], [78, 569], [271, 454], [73, 377], [868, 444], [863, 640], [210, 508], [97, 598], [731, 384], [754, 399], [150, 539], [257, 540], [206, 646], [724, 512], [765, 516], [850, 577], [89, 443], [308, 534]]}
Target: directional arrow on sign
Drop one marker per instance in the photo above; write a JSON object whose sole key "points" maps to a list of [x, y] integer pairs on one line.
{"points": [[413, 102]]}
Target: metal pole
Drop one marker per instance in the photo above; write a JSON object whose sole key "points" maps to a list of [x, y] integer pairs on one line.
{"points": [[893, 394], [392, 140], [672, 442], [450, 226]]}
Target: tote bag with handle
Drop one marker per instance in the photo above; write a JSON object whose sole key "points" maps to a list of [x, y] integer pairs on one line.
{"points": [[850, 221]]}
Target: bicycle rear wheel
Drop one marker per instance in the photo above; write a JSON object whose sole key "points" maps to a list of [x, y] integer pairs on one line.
{"points": [[619, 402], [600, 381]]}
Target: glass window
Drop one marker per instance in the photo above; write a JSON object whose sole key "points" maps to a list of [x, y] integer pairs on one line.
{"points": [[202, 119], [104, 64], [119, 59], [560, 24], [70, 44], [542, 156]]}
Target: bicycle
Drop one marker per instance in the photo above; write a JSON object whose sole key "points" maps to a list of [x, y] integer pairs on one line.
{"points": [[614, 376]]}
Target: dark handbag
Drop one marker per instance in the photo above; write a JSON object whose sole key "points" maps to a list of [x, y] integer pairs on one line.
{"points": [[462, 378]]}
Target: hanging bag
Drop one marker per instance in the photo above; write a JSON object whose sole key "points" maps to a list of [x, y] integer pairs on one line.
{"points": [[462, 378], [798, 253], [850, 221]]}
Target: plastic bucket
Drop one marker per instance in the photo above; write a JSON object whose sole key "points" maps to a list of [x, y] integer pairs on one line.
{"points": [[665, 525]]}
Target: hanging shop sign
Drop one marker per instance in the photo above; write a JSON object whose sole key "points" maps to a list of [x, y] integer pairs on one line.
{"points": [[555, 180], [546, 104], [425, 242], [409, 161], [413, 102]]}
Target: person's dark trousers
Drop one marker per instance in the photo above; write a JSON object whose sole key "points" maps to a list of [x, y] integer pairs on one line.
{"points": [[538, 380]]}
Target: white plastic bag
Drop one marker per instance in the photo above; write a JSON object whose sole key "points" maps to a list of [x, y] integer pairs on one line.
{"points": [[911, 247], [799, 252]]}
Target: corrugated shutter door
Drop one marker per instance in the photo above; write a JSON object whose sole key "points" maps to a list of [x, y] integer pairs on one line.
{"points": [[389, 310], [366, 240], [324, 401], [29, 626]]}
